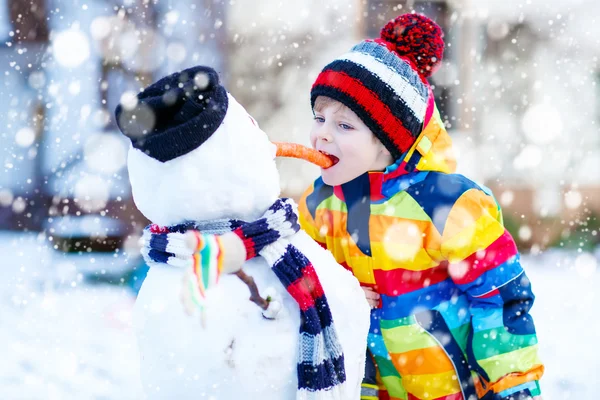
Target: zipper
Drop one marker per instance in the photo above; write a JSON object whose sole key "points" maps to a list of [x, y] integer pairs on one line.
{"points": [[447, 355]]}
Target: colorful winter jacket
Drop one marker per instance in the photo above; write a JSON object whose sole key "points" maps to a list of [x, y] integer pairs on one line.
{"points": [[453, 321]]}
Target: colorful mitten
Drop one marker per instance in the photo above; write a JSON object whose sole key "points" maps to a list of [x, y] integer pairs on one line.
{"points": [[203, 257], [205, 271]]}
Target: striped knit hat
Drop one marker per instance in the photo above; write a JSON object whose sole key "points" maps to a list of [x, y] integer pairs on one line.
{"points": [[384, 81]]}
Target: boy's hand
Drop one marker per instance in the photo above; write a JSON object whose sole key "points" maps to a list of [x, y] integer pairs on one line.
{"points": [[372, 296]]}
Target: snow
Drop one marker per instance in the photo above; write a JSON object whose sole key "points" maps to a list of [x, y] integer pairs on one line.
{"points": [[62, 338], [535, 73], [84, 226], [25, 137], [565, 309], [71, 48], [63, 342], [105, 152]]}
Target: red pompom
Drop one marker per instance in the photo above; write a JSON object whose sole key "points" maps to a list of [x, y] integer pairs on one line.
{"points": [[418, 39]]}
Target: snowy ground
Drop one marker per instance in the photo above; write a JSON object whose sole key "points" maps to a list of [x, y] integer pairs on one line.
{"points": [[62, 338], [566, 317]]}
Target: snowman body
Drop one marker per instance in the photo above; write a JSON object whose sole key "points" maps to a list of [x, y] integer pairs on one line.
{"points": [[235, 352]]}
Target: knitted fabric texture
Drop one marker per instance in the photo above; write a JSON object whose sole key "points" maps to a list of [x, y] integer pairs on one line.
{"points": [[175, 115], [207, 266], [320, 365], [383, 81]]}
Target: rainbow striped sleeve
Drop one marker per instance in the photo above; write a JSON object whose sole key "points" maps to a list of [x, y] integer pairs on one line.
{"points": [[484, 262]]}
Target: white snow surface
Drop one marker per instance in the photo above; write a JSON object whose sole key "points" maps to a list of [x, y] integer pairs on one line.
{"points": [[61, 338], [63, 342]]}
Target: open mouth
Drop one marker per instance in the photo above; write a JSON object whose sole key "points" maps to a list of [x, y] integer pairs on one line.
{"points": [[334, 159]]}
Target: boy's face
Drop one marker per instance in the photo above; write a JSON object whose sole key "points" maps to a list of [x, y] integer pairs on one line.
{"points": [[337, 131]]}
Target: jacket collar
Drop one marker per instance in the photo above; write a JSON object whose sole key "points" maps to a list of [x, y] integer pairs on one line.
{"points": [[380, 185]]}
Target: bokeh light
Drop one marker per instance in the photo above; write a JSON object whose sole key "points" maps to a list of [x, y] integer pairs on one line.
{"points": [[71, 48]]}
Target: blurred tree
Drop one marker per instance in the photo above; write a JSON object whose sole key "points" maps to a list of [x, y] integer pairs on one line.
{"points": [[29, 21], [24, 114], [583, 235]]}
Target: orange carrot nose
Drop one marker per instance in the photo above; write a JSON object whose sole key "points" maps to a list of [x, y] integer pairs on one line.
{"points": [[298, 151]]}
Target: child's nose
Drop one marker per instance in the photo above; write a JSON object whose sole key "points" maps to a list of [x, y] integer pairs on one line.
{"points": [[324, 135]]}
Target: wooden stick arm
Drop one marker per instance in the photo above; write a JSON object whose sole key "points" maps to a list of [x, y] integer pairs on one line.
{"points": [[254, 293]]}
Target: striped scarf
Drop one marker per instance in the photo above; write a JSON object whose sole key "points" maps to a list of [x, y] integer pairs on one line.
{"points": [[320, 357]]}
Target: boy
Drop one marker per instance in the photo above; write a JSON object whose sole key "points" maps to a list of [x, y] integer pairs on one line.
{"points": [[451, 299]]}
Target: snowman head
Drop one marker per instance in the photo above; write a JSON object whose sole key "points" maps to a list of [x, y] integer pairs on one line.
{"points": [[196, 153]]}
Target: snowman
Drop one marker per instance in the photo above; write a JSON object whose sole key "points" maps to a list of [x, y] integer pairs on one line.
{"points": [[204, 173]]}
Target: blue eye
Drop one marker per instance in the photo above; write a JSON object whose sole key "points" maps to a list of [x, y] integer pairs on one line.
{"points": [[319, 119], [346, 127]]}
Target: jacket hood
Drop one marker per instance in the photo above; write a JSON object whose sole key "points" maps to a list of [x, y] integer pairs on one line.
{"points": [[432, 151]]}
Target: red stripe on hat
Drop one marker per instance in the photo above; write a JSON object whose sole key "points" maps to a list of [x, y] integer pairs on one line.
{"points": [[370, 102]]}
